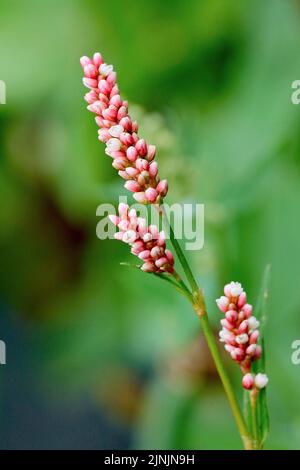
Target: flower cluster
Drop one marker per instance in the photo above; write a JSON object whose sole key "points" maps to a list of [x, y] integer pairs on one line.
{"points": [[146, 241], [240, 333], [132, 156]]}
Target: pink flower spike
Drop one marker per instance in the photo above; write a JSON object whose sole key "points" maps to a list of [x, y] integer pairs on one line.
{"points": [[239, 331], [112, 117]]}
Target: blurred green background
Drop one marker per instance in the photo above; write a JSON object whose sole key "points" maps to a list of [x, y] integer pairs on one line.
{"points": [[99, 355]]}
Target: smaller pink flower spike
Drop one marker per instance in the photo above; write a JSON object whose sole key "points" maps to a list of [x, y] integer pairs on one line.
{"points": [[132, 156], [240, 333], [147, 243]]}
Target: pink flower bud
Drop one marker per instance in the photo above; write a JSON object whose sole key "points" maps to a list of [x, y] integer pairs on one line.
{"points": [[104, 87], [141, 147], [151, 194], [153, 169], [257, 353], [226, 324], [151, 152], [132, 172], [169, 256], [90, 82], [231, 315], [97, 59], [147, 237], [254, 337], [123, 209], [247, 309], [144, 255], [242, 339], [161, 262], [119, 163], [105, 69], [155, 252], [129, 236], [110, 113], [142, 164], [131, 154], [116, 101], [237, 354], [242, 300], [85, 61], [90, 71], [126, 123], [91, 97], [162, 188], [154, 231], [122, 113], [140, 197], [115, 131], [248, 381], [103, 135], [148, 267], [222, 303], [132, 186], [114, 219], [243, 328]]}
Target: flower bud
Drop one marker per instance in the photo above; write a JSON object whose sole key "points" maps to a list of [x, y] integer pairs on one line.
{"points": [[248, 381], [261, 380]]}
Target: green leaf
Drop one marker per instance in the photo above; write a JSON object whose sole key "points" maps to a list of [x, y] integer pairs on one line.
{"points": [[259, 366]]}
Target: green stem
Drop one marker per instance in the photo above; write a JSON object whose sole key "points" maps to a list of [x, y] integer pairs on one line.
{"points": [[183, 261], [253, 401], [198, 303]]}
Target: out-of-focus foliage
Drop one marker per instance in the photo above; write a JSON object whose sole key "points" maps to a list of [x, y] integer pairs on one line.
{"points": [[212, 79]]}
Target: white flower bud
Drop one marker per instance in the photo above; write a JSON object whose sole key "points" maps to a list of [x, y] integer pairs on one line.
{"points": [[253, 323], [242, 339], [261, 380], [115, 131], [105, 69]]}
